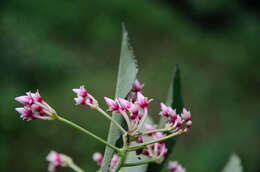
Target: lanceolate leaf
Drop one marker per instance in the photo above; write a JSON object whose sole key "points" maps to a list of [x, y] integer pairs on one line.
{"points": [[233, 165], [174, 99], [126, 76]]}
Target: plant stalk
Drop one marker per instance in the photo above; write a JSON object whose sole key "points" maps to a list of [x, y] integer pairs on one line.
{"points": [[76, 126]]}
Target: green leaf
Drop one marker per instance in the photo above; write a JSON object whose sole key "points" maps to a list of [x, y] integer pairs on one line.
{"points": [[174, 100], [234, 164], [126, 76]]}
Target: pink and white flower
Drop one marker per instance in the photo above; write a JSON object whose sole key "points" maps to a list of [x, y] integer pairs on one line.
{"points": [[174, 166], [57, 160], [137, 87], [34, 107], [84, 98], [98, 157]]}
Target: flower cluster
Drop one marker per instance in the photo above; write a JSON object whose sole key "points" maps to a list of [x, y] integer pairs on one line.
{"points": [[175, 120], [34, 107], [134, 109], [83, 97], [57, 160], [98, 158], [157, 150], [174, 166]]}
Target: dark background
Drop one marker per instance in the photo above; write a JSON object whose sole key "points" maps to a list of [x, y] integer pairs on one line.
{"points": [[55, 46]]}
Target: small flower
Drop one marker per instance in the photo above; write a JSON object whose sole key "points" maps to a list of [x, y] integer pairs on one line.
{"points": [[142, 101], [140, 139], [124, 103], [112, 105], [98, 157], [164, 109], [137, 87], [188, 124], [57, 160], [81, 91], [186, 115], [174, 166], [114, 161], [83, 97], [34, 107]]}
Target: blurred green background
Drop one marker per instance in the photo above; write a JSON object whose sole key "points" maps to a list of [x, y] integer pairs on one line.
{"points": [[55, 46]]}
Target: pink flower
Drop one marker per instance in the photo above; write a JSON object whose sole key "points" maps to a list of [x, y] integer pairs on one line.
{"points": [[174, 166], [188, 124], [98, 157], [142, 101], [112, 105], [81, 91], [114, 161], [140, 139], [164, 110], [137, 86], [34, 107], [186, 115], [83, 97], [57, 160], [124, 103], [178, 121], [149, 127]]}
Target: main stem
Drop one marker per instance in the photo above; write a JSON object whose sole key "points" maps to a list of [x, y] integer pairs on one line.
{"points": [[111, 119], [72, 124], [122, 154]]}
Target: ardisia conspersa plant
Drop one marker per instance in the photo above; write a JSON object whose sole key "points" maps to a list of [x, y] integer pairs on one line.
{"points": [[142, 141]]}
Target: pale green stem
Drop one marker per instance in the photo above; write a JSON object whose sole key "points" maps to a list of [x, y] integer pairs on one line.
{"points": [[142, 145], [75, 167], [154, 131], [143, 119], [72, 124], [111, 119], [122, 155], [139, 163]]}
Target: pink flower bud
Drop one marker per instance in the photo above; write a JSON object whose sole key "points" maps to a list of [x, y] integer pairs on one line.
{"points": [[188, 124], [178, 121], [37, 97], [134, 109], [142, 101], [56, 160], [26, 100], [98, 157], [80, 100], [186, 115], [140, 139], [164, 110], [81, 91], [124, 103], [174, 166], [35, 107], [112, 105], [114, 161], [137, 86]]}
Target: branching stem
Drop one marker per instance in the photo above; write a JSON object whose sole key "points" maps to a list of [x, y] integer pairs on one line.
{"points": [[76, 126]]}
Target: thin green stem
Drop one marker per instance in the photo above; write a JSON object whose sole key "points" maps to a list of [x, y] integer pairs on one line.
{"points": [[138, 163], [111, 119], [72, 124], [154, 131], [142, 145], [75, 167]]}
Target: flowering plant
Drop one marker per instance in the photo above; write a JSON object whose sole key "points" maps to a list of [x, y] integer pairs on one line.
{"points": [[130, 122]]}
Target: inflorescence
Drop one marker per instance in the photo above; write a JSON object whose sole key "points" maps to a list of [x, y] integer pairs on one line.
{"points": [[150, 141]]}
